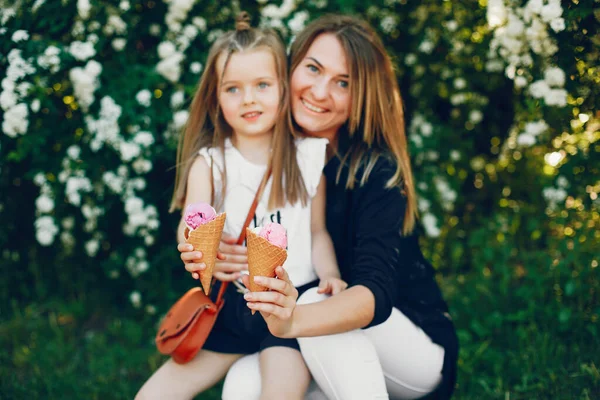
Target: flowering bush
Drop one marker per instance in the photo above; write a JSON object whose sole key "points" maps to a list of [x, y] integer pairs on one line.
{"points": [[500, 102]]}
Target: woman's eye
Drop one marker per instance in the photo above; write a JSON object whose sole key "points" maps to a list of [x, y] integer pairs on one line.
{"points": [[343, 84], [312, 68], [263, 85]]}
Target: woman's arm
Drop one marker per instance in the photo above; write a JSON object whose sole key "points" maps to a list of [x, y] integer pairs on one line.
{"points": [[375, 271]]}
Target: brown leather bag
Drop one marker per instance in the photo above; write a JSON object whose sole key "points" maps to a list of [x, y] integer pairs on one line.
{"points": [[188, 323]]}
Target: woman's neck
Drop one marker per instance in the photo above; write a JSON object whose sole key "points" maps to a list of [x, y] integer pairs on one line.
{"points": [[256, 149]]}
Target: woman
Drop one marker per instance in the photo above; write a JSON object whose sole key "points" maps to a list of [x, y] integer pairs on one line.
{"points": [[389, 333]]}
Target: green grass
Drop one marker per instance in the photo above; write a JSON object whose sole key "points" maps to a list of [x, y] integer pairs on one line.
{"points": [[67, 350]]}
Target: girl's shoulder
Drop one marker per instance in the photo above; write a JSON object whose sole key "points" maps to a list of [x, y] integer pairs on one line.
{"points": [[310, 144], [311, 160]]}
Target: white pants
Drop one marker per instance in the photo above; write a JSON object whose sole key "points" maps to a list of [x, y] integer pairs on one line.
{"points": [[395, 359]]}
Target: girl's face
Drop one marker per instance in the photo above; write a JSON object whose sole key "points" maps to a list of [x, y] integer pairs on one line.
{"points": [[249, 92], [320, 88]]}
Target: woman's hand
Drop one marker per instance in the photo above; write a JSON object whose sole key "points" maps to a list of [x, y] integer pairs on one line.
{"points": [[231, 259], [331, 286], [277, 305]]}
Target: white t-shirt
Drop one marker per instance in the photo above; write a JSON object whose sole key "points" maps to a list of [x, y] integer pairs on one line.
{"points": [[243, 179]]}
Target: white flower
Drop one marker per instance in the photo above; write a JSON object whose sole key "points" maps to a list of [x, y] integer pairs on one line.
{"points": [[82, 50], [119, 44], [556, 97], [177, 99], [195, 67], [150, 309], [67, 239], [180, 118], [36, 6], [114, 182], [426, 46], [496, 13], [525, 139], [520, 81], [475, 116], [536, 128], [410, 59], [554, 195], [190, 31], [170, 67], [539, 89], [562, 182], [44, 204], [144, 97], [298, 22], [144, 139], [74, 151], [515, 26], [129, 151], [68, 223], [8, 99], [455, 155], [91, 247], [115, 25], [166, 49], [430, 225], [20, 36], [83, 8], [451, 25], [423, 204], [426, 129], [136, 299], [50, 60], [39, 178], [124, 5], [142, 166], [551, 11], [200, 23], [154, 29], [85, 82], [35, 105], [46, 230], [15, 120], [554, 76], [460, 83], [557, 24]]}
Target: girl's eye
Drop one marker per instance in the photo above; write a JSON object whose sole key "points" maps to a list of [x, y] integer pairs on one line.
{"points": [[343, 84], [263, 85], [312, 68], [232, 89]]}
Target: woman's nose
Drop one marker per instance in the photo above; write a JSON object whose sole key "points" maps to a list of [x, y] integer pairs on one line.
{"points": [[319, 89]]}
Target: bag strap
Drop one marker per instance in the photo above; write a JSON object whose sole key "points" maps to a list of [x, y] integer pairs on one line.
{"points": [[249, 217]]}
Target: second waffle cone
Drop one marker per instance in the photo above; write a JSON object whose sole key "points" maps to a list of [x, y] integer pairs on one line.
{"points": [[263, 258]]}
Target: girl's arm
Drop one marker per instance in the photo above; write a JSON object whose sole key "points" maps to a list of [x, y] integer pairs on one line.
{"points": [[323, 253], [198, 190]]}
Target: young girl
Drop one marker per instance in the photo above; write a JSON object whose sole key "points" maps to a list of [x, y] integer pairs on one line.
{"points": [[239, 125]]}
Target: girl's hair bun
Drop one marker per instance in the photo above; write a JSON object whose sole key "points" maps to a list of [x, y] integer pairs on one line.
{"points": [[242, 22]]}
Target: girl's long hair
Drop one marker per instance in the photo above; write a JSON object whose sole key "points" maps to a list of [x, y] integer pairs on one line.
{"points": [[206, 126], [376, 122]]}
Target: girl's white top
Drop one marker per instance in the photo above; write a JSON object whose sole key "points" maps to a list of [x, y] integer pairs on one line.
{"points": [[243, 179]]}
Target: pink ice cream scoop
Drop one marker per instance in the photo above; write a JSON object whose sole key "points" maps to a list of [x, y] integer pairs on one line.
{"points": [[197, 214], [275, 234]]}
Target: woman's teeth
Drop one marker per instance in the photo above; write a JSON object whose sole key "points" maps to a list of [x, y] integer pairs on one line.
{"points": [[313, 108]]}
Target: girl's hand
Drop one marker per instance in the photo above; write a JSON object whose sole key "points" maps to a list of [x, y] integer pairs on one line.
{"points": [[277, 305], [192, 260], [331, 286], [232, 259]]}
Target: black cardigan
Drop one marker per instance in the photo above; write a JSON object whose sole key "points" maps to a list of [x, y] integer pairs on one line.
{"points": [[365, 224]]}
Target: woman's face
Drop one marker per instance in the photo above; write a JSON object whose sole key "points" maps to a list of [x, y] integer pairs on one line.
{"points": [[320, 88]]}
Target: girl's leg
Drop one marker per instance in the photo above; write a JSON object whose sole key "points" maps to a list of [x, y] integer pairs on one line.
{"points": [[345, 365], [283, 374], [243, 381], [184, 381], [411, 362]]}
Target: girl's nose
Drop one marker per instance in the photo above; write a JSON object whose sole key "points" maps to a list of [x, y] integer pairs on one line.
{"points": [[249, 97]]}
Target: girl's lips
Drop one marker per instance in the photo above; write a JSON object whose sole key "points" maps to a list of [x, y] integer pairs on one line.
{"points": [[312, 107], [251, 116]]}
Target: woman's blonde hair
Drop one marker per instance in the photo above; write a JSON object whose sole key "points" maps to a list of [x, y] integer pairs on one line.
{"points": [[206, 126], [376, 122]]}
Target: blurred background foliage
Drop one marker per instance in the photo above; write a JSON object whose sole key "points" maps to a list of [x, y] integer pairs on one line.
{"points": [[501, 98]]}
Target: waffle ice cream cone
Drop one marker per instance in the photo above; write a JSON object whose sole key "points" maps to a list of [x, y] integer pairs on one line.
{"points": [[206, 238], [263, 258]]}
